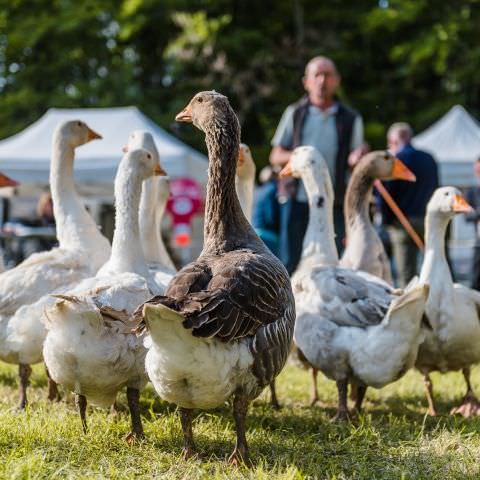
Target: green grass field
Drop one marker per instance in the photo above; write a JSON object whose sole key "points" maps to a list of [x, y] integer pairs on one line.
{"points": [[393, 439]]}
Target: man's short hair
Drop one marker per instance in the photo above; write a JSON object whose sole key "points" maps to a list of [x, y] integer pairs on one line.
{"points": [[402, 129]]}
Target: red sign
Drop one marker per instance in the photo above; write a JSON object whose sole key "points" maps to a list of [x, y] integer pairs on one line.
{"points": [[184, 202]]}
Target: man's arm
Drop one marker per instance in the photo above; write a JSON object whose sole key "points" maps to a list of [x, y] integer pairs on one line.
{"points": [[279, 156], [472, 200], [282, 140]]}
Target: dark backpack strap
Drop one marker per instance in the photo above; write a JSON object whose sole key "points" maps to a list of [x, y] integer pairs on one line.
{"points": [[344, 120]]}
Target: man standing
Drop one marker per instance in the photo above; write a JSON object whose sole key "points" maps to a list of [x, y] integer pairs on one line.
{"points": [[319, 119], [473, 198], [412, 198]]}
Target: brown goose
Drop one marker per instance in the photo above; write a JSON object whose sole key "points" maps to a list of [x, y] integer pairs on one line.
{"points": [[225, 325], [364, 250]]}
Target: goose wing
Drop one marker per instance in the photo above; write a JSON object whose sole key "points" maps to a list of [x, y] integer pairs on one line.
{"points": [[38, 275], [348, 298], [232, 298]]}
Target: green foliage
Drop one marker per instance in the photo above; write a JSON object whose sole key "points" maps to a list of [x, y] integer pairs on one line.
{"points": [[392, 440], [399, 59]]}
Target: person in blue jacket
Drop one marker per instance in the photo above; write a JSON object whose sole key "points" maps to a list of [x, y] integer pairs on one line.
{"points": [[266, 211], [411, 197]]}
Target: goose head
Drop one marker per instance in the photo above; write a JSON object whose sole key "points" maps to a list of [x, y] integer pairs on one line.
{"points": [[307, 162], [447, 201], [303, 161], [144, 140], [145, 163], [206, 110], [245, 163], [385, 166], [76, 133]]}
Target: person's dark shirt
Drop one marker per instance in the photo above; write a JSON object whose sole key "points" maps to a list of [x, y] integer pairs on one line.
{"points": [[266, 209], [412, 197], [266, 215], [473, 198]]}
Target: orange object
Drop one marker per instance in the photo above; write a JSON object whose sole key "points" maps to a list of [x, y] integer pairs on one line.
{"points": [[399, 214]]}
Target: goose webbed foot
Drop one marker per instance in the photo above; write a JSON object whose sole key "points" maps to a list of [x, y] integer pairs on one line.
{"points": [[240, 455], [273, 396], [342, 416], [81, 404], [470, 406], [186, 417], [53, 392], [133, 398], [24, 372]]}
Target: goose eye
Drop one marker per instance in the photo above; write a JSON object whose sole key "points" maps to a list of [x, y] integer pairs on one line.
{"points": [[79, 124], [447, 194], [386, 156], [149, 156], [200, 99]]}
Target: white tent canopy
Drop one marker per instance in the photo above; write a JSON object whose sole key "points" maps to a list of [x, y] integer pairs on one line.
{"points": [[454, 141], [26, 155]]}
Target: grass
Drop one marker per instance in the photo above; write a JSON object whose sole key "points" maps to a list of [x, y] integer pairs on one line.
{"points": [[393, 439]]}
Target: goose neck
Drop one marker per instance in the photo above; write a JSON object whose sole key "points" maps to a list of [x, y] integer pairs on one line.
{"points": [[75, 227], [226, 227], [357, 197], [151, 213], [126, 255], [435, 257], [244, 186], [319, 240]]}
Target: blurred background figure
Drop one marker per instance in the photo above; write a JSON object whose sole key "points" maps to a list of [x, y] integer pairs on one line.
{"points": [[321, 120], [411, 197], [45, 218], [266, 211], [45, 209], [357, 154], [473, 198]]}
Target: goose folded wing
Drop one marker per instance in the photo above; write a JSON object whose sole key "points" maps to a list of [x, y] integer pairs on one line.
{"points": [[349, 299], [238, 300]]}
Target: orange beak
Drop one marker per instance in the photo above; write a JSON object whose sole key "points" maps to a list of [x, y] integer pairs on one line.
{"points": [[159, 171], [7, 181], [92, 135], [460, 205], [241, 156], [401, 172], [286, 171], [185, 115]]}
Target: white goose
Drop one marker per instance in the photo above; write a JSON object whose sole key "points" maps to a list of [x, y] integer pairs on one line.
{"points": [[81, 252], [89, 347], [155, 193], [364, 250], [452, 310], [349, 325], [245, 180]]}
